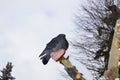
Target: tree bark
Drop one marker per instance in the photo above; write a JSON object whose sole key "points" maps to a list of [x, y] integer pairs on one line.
{"points": [[112, 71], [70, 69]]}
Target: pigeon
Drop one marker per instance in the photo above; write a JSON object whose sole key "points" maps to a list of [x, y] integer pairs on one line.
{"points": [[55, 45]]}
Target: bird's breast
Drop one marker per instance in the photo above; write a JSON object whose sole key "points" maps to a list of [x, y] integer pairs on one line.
{"points": [[56, 55]]}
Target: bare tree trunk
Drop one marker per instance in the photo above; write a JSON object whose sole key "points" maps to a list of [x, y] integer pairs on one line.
{"points": [[112, 71]]}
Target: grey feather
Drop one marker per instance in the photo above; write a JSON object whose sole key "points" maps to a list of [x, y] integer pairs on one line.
{"points": [[55, 44]]}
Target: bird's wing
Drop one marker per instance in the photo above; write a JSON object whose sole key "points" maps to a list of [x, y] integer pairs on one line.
{"points": [[62, 44], [52, 44]]}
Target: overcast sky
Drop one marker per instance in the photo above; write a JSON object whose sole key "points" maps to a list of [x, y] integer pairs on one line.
{"points": [[26, 26]]}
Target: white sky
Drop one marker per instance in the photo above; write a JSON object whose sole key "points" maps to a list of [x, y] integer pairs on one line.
{"points": [[25, 28]]}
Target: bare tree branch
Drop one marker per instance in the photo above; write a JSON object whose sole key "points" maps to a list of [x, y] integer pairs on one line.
{"points": [[99, 20]]}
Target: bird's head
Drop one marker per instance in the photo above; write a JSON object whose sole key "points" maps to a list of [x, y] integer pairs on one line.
{"points": [[61, 35]]}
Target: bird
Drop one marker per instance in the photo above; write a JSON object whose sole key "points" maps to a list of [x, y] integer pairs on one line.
{"points": [[54, 46]]}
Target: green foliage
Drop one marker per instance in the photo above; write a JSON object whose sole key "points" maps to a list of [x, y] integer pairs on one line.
{"points": [[6, 72]]}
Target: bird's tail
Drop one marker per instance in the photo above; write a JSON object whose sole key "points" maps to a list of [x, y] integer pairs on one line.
{"points": [[42, 54], [45, 59]]}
